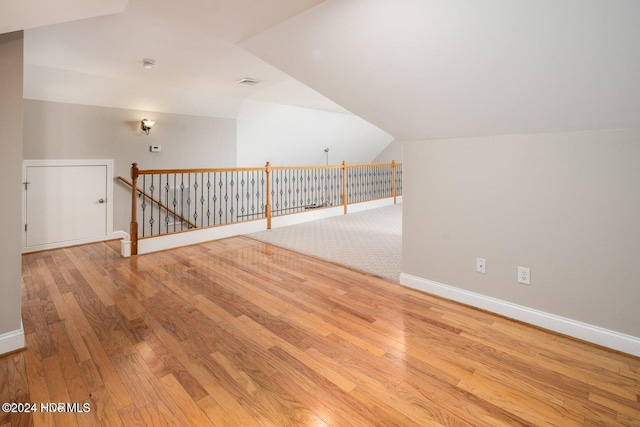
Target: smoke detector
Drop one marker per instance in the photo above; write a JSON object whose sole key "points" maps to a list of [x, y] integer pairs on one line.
{"points": [[148, 63], [248, 81]]}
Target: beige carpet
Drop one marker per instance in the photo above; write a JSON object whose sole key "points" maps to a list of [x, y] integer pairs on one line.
{"points": [[370, 241]]}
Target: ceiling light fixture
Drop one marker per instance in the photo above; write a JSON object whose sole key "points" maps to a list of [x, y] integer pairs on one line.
{"points": [[248, 81], [148, 63], [146, 125]]}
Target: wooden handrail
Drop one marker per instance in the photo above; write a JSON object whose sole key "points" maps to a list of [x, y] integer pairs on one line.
{"points": [[162, 205], [360, 165], [266, 180], [209, 170], [257, 169]]}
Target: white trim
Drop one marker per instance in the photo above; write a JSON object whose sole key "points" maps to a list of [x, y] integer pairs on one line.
{"points": [[120, 234], [573, 328], [363, 206], [108, 163], [125, 242], [175, 240], [313, 214], [306, 216], [12, 341], [192, 237]]}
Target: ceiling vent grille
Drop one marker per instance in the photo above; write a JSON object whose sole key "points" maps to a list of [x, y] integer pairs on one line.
{"points": [[248, 81]]}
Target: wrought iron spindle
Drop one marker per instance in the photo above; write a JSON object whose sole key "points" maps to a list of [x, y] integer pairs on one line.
{"points": [[151, 191], [143, 205], [209, 198]]}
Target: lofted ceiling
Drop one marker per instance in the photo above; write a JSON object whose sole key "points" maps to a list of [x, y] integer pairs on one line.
{"points": [[98, 60], [19, 15], [417, 69], [425, 69]]}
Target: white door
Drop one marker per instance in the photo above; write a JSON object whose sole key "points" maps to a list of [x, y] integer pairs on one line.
{"points": [[66, 203]]}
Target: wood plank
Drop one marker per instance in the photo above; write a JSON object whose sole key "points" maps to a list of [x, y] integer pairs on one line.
{"points": [[38, 389], [529, 404], [112, 381], [58, 391], [232, 407], [103, 410], [241, 333], [216, 413], [190, 410]]}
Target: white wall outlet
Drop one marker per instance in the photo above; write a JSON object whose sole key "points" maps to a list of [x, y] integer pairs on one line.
{"points": [[481, 265], [155, 148], [524, 275]]}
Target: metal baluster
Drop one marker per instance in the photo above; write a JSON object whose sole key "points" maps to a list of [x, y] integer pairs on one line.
{"points": [[234, 195], [143, 205], [151, 219], [226, 197], [208, 198]]}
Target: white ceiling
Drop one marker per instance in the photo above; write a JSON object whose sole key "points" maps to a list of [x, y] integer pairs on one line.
{"points": [[424, 69], [418, 69], [194, 43], [18, 15]]}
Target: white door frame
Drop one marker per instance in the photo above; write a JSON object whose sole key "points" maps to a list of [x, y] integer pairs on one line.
{"points": [[74, 162]]}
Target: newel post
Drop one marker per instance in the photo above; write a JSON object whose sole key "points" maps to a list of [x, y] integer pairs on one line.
{"points": [[344, 185], [133, 229], [393, 180], [267, 169]]}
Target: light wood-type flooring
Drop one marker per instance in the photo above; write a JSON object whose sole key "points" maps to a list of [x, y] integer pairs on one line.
{"points": [[240, 333]]}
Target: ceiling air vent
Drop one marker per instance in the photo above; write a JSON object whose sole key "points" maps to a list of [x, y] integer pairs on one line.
{"points": [[248, 81]]}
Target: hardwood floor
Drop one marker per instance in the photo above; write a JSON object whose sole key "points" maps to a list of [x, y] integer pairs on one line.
{"points": [[240, 333]]}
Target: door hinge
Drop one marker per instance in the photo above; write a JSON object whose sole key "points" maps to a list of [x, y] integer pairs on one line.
{"points": [[25, 227], [25, 184]]}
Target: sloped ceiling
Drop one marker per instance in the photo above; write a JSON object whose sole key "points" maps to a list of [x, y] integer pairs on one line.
{"points": [[423, 69], [18, 15], [98, 60]]}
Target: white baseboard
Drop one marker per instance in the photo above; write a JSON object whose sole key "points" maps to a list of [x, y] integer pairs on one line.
{"points": [[584, 331], [12, 341], [192, 237], [372, 204], [314, 214], [120, 234], [306, 216]]}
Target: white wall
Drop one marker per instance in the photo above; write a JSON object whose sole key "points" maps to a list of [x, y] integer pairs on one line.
{"points": [[67, 131], [566, 205], [393, 151], [288, 136], [11, 59], [71, 87]]}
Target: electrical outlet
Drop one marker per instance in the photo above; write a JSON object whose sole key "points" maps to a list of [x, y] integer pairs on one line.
{"points": [[524, 275], [481, 265]]}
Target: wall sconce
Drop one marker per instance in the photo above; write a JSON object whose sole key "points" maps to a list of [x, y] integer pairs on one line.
{"points": [[146, 125]]}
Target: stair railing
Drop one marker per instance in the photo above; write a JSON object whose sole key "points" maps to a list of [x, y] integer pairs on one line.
{"points": [[175, 200]]}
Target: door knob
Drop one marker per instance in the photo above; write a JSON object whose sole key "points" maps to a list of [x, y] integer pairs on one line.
{"points": [[101, 201]]}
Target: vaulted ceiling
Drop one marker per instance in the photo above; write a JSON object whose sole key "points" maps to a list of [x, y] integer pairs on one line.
{"points": [[418, 69], [423, 69], [98, 60]]}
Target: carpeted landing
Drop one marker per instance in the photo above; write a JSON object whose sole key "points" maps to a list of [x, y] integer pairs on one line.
{"points": [[370, 240]]}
